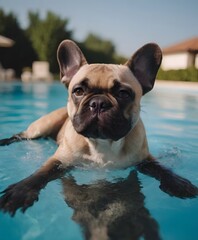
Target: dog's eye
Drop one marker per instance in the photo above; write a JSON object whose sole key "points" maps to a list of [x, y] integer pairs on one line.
{"points": [[78, 91], [124, 94]]}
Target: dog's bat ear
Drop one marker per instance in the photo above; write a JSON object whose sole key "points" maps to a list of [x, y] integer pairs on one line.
{"points": [[70, 59], [144, 64]]}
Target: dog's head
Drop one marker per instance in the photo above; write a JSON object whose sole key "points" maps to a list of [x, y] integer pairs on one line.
{"points": [[104, 99]]}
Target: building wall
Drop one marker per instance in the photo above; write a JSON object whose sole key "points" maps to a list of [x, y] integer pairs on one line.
{"points": [[176, 61], [196, 61]]}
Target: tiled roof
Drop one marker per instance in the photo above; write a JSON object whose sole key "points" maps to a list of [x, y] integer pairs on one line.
{"points": [[185, 46]]}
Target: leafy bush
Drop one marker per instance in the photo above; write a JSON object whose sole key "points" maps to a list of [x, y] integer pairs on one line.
{"points": [[189, 74]]}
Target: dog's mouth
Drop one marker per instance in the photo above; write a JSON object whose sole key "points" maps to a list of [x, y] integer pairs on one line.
{"points": [[99, 118]]}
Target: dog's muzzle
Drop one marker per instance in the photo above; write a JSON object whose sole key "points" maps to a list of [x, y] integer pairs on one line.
{"points": [[99, 104], [99, 117]]}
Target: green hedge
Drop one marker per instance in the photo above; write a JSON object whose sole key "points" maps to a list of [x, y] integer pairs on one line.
{"points": [[190, 75]]}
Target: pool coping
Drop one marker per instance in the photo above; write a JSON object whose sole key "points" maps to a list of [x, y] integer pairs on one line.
{"points": [[178, 84]]}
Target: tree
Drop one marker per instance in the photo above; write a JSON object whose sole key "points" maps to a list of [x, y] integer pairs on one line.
{"points": [[46, 34], [21, 54], [41, 39], [97, 49], [98, 44]]}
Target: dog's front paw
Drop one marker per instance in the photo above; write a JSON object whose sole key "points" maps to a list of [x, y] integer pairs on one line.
{"points": [[8, 141], [20, 195], [5, 141], [177, 186]]}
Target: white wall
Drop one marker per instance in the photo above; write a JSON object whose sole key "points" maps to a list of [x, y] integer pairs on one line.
{"points": [[175, 61], [196, 61]]}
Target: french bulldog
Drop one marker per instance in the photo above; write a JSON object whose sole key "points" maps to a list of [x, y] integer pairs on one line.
{"points": [[101, 125]]}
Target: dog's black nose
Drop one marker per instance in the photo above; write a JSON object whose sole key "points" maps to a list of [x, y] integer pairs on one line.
{"points": [[99, 104]]}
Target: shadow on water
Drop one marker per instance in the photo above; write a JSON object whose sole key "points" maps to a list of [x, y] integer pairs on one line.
{"points": [[107, 210]]}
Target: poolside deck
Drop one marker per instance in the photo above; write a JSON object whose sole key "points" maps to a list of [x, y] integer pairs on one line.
{"points": [[177, 84]]}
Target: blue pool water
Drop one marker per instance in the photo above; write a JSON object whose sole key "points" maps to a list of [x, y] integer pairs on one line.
{"points": [[170, 115]]}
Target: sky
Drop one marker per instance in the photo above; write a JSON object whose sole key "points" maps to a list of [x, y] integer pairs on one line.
{"points": [[129, 24]]}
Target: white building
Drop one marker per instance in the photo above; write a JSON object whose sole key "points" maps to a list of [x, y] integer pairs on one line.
{"points": [[181, 55]]}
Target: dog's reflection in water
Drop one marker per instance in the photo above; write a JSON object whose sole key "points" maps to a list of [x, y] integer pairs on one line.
{"points": [[107, 210]]}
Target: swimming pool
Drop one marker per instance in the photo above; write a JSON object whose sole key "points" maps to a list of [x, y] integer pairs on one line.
{"points": [[170, 115]]}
